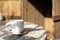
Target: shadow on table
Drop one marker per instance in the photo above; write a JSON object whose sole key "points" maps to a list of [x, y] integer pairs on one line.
{"points": [[3, 33], [33, 29], [14, 37]]}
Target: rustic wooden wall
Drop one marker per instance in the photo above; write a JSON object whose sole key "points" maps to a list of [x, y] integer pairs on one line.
{"points": [[31, 14], [10, 8], [24, 9], [56, 17]]}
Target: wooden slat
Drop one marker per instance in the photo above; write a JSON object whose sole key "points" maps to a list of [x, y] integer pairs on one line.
{"points": [[31, 14], [12, 8]]}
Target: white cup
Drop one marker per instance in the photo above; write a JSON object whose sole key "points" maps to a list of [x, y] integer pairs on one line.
{"points": [[16, 26]]}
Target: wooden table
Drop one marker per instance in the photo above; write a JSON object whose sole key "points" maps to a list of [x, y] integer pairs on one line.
{"points": [[35, 33]]}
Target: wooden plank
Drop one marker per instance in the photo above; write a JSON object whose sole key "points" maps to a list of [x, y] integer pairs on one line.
{"points": [[12, 8], [32, 15], [24, 10], [49, 27]]}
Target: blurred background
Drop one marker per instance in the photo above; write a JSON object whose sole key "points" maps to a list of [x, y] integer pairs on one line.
{"points": [[45, 13]]}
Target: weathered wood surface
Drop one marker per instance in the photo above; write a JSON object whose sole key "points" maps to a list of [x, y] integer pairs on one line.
{"points": [[23, 9], [9, 8], [31, 14]]}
